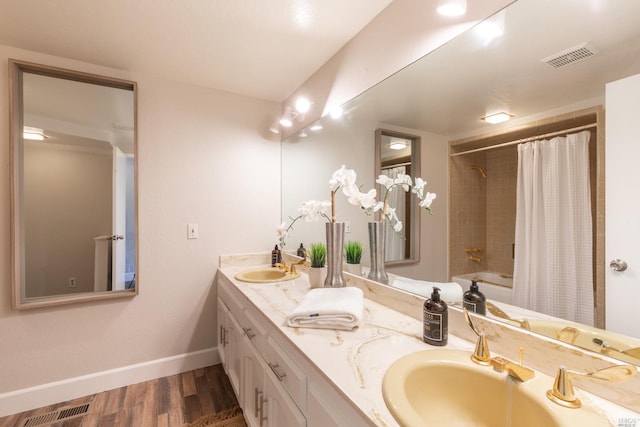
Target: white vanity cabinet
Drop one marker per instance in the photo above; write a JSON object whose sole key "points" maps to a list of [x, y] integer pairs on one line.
{"points": [[278, 386]]}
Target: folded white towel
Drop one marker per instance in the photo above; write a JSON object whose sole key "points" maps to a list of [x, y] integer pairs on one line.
{"points": [[329, 308], [450, 292]]}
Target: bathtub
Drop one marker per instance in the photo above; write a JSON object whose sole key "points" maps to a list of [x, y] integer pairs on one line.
{"points": [[491, 284]]}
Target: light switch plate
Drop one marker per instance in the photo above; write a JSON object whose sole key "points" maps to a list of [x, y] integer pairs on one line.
{"points": [[192, 231]]}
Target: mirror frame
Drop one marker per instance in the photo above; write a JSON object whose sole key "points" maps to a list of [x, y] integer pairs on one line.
{"points": [[413, 231], [16, 70]]}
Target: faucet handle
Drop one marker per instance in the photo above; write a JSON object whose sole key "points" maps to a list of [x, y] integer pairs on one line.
{"points": [[563, 393]]}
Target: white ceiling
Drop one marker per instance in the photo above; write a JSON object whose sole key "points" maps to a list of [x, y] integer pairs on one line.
{"points": [[451, 89], [260, 48]]}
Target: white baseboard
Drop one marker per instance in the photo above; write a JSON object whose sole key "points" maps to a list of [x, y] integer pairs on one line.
{"points": [[60, 391]]}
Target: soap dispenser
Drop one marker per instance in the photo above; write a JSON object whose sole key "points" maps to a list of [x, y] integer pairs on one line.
{"points": [[302, 252], [276, 256], [436, 320], [474, 300]]}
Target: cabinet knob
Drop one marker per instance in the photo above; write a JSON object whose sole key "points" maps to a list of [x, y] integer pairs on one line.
{"points": [[618, 265]]}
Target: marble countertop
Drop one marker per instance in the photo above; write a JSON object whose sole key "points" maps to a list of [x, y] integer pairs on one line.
{"points": [[358, 359]]}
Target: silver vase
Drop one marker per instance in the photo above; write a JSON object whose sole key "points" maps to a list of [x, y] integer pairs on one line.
{"points": [[335, 240], [376, 249]]}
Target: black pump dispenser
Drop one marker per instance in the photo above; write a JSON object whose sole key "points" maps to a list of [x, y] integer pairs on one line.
{"points": [[436, 320], [474, 300], [302, 252], [276, 256]]}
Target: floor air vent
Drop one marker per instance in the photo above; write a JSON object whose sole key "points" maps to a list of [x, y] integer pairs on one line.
{"points": [[571, 55], [56, 416]]}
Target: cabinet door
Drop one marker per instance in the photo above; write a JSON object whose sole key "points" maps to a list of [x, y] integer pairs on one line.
{"points": [[280, 410], [253, 384], [222, 311], [234, 352]]}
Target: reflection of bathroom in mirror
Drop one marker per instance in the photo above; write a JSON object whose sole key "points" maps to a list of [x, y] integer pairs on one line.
{"points": [[443, 98], [73, 171], [399, 153]]}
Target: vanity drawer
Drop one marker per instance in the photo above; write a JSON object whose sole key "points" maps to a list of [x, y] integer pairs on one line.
{"points": [[256, 333], [290, 375]]}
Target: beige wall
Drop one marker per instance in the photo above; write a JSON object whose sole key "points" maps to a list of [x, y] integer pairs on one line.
{"points": [[67, 204], [202, 159]]}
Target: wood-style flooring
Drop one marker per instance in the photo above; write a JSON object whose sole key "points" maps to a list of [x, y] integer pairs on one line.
{"points": [[164, 402]]}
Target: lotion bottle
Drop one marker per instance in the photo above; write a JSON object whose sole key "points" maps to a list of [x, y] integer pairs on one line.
{"points": [[474, 300], [436, 320], [276, 256]]}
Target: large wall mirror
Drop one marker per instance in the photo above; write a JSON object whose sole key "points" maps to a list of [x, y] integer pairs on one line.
{"points": [[73, 170], [443, 97]]}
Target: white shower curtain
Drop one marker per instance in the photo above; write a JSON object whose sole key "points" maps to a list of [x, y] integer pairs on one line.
{"points": [[394, 242], [553, 254]]}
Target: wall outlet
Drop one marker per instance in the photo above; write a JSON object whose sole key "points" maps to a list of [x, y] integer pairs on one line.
{"points": [[72, 282], [192, 231], [347, 226]]}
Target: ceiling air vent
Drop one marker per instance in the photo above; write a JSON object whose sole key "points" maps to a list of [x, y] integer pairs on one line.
{"points": [[571, 55], [56, 416]]}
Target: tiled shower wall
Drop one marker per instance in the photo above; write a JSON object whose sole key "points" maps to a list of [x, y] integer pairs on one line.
{"points": [[483, 211]]}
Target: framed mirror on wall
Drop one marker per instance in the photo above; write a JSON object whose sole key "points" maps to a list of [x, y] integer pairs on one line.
{"points": [[73, 188], [398, 153]]}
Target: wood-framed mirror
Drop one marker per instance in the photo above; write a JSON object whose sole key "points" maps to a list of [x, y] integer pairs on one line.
{"points": [[73, 186], [399, 153]]}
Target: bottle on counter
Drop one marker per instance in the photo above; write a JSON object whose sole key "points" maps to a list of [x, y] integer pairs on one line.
{"points": [[302, 252], [436, 320], [474, 300], [276, 256]]}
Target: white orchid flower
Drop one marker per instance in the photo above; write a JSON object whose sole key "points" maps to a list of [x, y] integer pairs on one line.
{"points": [[428, 199], [404, 180], [281, 230], [313, 210], [418, 188], [341, 178], [398, 226], [385, 181]]}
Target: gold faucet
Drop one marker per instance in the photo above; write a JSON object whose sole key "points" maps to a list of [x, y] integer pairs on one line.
{"points": [[481, 354], [563, 394], [517, 371], [498, 312], [474, 253], [283, 266]]}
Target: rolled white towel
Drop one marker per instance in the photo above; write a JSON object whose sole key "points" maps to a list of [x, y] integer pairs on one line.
{"points": [[329, 308], [450, 292]]}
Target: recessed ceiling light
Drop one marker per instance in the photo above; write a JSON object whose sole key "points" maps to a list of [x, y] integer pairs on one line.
{"points": [[336, 112], [398, 144], [286, 119], [316, 126], [302, 105], [452, 7], [497, 118]]}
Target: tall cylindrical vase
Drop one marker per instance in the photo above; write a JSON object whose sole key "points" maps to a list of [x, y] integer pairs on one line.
{"points": [[376, 249], [335, 240]]}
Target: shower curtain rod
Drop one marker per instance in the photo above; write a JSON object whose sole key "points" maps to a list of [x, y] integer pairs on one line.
{"points": [[396, 165], [530, 138]]}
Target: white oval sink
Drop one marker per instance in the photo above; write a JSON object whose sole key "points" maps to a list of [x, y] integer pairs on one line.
{"points": [[266, 275], [443, 387]]}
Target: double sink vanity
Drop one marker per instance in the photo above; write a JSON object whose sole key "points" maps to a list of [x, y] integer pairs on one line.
{"points": [[382, 373]]}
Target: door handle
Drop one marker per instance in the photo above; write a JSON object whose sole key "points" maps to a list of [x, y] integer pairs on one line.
{"points": [[618, 265]]}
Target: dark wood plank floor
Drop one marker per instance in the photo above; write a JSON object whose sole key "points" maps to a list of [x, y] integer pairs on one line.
{"points": [[164, 402]]}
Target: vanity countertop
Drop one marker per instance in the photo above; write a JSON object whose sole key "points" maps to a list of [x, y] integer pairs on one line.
{"points": [[355, 361]]}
